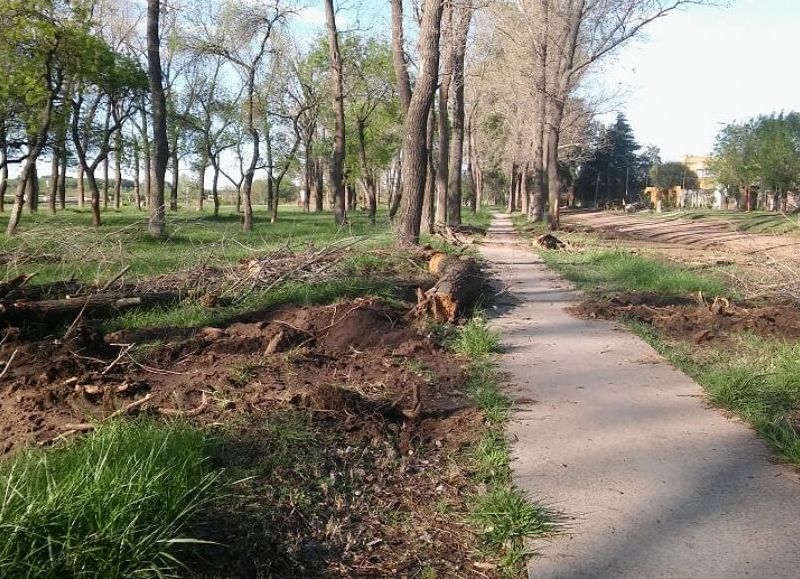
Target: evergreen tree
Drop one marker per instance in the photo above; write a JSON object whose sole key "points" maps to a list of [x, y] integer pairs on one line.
{"points": [[615, 172]]}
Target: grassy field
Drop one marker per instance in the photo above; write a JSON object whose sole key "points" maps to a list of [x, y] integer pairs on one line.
{"points": [[756, 377], [767, 222]]}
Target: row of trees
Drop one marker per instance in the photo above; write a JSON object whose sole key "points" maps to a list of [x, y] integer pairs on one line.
{"points": [[762, 153], [489, 96]]}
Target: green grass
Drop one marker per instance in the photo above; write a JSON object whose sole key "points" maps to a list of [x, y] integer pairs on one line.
{"points": [[66, 246], [611, 271], [760, 382], [506, 517], [117, 503], [604, 271]]}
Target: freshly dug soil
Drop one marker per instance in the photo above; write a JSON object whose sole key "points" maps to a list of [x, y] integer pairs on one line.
{"points": [[685, 318], [386, 404]]}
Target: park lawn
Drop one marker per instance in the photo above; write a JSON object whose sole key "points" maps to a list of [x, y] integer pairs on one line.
{"points": [[761, 382], [66, 246]]}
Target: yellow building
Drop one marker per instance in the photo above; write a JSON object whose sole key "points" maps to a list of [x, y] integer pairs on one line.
{"points": [[701, 166]]}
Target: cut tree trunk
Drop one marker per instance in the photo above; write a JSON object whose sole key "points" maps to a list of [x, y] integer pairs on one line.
{"points": [[459, 287]]}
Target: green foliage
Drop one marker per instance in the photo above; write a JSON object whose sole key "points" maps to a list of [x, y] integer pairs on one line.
{"points": [[476, 340], [763, 151], [615, 166], [674, 174], [118, 503]]}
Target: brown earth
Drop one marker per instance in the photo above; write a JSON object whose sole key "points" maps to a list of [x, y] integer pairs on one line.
{"points": [[699, 322], [384, 401]]}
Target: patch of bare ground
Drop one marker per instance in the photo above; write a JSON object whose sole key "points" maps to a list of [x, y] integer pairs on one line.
{"points": [[345, 421], [697, 320]]}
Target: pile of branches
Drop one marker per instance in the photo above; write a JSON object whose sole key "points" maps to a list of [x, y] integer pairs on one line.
{"points": [[212, 286]]}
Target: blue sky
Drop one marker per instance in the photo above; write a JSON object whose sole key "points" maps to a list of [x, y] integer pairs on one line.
{"points": [[707, 66], [692, 71]]}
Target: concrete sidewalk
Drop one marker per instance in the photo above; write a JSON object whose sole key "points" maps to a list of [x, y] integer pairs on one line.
{"points": [[653, 482]]}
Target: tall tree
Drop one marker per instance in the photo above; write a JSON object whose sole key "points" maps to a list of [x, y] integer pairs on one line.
{"points": [[337, 93], [157, 224], [415, 127]]}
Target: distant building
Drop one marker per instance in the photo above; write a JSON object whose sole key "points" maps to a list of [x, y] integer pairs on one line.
{"points": [[701, 165]]}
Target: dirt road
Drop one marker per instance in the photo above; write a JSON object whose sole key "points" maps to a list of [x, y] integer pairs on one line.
{"points": [[652, 482], [701, 235]]}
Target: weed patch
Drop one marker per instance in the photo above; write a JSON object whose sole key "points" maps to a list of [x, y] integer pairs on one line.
{"points": [[118, 503]]}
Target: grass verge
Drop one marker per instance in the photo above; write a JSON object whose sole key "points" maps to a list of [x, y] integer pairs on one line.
{"points": [[505, 516], [120, 502]]}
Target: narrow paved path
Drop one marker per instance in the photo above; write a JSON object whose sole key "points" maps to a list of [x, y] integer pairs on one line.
{"points": [[653, 482]]}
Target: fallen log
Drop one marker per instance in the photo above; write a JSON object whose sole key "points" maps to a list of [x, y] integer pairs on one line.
{"points": [[92, 306], [549, 241], [458, 288]]}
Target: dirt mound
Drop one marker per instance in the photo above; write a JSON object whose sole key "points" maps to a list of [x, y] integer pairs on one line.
{"points": [[686, 318], [358, 359]]}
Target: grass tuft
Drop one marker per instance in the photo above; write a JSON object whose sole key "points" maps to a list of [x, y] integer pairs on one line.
{"points": [[117, 503], [507, 518]]}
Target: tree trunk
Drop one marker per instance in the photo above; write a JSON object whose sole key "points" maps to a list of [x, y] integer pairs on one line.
{"points": [[106, 160], [319, 187], [397, 193], [32, 189], [137, 191], [62, 177], [3, 167], [429, 203], [173, 197], [553, 180], [471, 180], [201, 180], [443, 172], [414, 151], [308, 175], [52, 190], [118, 169], [81, 188], [28, 167], [94, 191], [462, 21], [524, 195], [215, 189], [337, 88], [367, 178], [512, 189], [157, 225], [399, 56]]}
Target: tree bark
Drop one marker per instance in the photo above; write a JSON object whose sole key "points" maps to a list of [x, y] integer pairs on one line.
{"points": [[118, 169], [512, 189], [52, 190], [319, 187], [462, 20], [337, 88], [157, 224], [173, 196], [32, 189], [415, 150], [106, 125], [81, 188], [553, 180], [137, 191], [201, 180], [62, 177], [3, 167], [399, 56], [429, 204], [367, 177], [443, 173]]}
